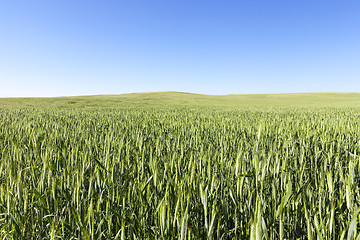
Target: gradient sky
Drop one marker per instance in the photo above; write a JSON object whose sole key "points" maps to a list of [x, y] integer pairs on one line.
{"points": [[79, 47]]}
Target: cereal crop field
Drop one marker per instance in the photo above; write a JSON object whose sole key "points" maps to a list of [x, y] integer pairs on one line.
{"points": [[180, 166]]}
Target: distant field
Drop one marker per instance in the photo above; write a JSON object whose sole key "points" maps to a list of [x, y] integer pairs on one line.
{"points": [[189, 99], [180, 166]]}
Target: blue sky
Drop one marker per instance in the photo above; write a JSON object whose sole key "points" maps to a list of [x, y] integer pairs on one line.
{"points": [[78, 47]]}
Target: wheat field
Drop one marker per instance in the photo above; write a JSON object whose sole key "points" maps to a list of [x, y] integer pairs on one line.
{"points": [[180, 166]]}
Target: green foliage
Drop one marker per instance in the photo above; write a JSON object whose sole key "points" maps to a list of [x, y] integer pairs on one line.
{"points": [[180, 170]]}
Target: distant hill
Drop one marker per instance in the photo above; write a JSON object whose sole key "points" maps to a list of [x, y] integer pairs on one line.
{"points": [[170, 99]]}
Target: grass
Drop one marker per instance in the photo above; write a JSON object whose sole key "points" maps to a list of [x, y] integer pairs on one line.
{"points": [[178, 165], [162, 99]]}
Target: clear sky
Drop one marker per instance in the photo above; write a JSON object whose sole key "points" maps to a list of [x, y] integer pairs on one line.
{"points": [[79, 47]]}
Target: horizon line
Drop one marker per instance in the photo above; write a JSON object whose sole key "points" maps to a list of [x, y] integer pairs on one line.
{"points": [[176, 92]]}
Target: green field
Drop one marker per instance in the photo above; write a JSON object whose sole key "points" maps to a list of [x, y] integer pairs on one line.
{"points": [[180, 166]]}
